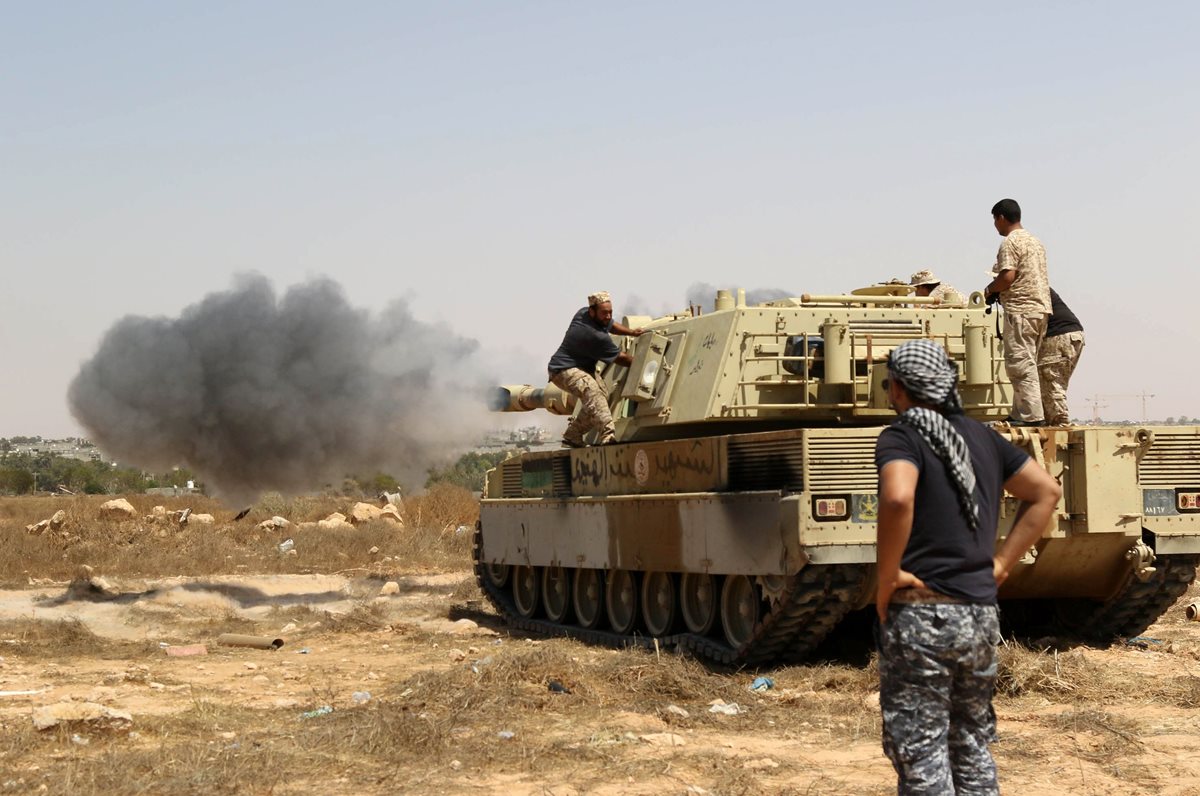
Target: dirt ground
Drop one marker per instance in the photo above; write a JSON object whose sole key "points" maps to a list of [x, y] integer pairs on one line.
{"points": [[427, 692]]}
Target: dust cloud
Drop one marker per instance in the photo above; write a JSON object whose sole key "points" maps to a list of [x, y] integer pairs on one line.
{"points": [[259, 392]]}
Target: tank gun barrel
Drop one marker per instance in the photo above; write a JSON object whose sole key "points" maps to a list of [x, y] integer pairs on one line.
{"points": [[526, 398]]}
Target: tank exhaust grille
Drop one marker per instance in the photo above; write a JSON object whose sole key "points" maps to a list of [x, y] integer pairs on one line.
{"points": [[1173, 460], [766, 464], [510, 478], [842, 464], [561, 477]]}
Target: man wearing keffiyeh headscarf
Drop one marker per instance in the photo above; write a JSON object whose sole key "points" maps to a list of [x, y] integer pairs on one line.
{"points": [[941, 478]]}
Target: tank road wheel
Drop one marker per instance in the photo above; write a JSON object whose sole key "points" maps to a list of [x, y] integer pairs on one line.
{"points": [[587, 592], [739, 610], [621, 600], [658, 603], [497, 574], [556, 592], [525, 590], [698, 601]]}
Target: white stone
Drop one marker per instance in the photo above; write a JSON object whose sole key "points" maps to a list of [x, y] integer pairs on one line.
{"points": [[119, 509], [201, 519], [273, 523], [334, 521], [364, 512], [88, 713], [391, 587], [391, 514]]}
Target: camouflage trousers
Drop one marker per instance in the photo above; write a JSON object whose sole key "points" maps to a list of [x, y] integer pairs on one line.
{"points": [[1023, 336], [937, 668], [1056, 362], [593, 406]]}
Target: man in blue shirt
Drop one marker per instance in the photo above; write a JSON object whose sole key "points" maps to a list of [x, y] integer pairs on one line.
{"points": [[587, 342], [942, 476]]}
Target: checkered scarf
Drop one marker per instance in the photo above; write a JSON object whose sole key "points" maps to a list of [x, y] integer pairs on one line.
{"points": [[930, 377]]}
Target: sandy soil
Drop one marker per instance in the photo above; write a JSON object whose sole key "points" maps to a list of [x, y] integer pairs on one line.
{"points": [[342, 638]]}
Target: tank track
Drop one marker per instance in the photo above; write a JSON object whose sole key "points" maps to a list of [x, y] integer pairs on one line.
{"points": [[1139, 604], [811, 604]]}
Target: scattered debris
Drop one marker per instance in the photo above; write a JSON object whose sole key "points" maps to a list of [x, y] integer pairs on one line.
{"points": [[506, 735], [89, 713], [186, 651], [324, 710], [360, 697], [675, 710], [724, 708], [664, 739], [762, 684], [1193, 611], [241, 514], [257, 642]]}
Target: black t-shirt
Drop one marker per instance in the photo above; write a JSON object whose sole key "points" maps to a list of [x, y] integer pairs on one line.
{"points": [[585, 343], [943, 551], [1062, 320]]}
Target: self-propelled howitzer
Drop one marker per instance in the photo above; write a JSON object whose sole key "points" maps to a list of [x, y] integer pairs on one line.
{"points": [[735, 514]]}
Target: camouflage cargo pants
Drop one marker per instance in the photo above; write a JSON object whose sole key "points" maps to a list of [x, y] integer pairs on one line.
{"points": [[1023, 336], [937, 667], [593, 405], [1056, 362]]}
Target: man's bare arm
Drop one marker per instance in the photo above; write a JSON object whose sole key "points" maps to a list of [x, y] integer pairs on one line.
{"points": [[897, 496], [1039, 494]]}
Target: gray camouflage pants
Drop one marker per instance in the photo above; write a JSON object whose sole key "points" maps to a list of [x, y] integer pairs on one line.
{"points": [[593, 406], [937, 668]]}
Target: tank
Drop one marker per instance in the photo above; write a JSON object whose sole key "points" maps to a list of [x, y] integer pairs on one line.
{"points": [[734, 516]]}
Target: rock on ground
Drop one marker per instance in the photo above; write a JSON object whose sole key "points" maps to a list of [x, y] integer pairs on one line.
{"points": [[334, 521], [119, 509], [364, 512], [273, 523], [201, 519], [89, 713]]}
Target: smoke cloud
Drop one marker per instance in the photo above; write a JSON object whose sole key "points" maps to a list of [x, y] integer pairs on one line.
{"points": [[260, 392], [705, 295]]}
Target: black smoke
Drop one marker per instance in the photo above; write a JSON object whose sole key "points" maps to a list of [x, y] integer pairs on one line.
{"points": [[260, 392], [705, 295]]}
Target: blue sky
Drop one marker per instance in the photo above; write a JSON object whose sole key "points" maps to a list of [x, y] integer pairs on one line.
{"points": [[493, 163]]}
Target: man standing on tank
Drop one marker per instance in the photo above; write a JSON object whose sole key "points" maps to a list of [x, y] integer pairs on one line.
{"points": [[941, 479], [573, 367], [1023, 287], [1057, 359]]}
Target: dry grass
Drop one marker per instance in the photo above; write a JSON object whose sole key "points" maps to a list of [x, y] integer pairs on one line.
{"points": [[140, 548], [1074, 677], [68, 638]]}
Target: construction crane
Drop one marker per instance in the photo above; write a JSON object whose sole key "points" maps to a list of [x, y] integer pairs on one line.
{"points": [[1095, 401]]}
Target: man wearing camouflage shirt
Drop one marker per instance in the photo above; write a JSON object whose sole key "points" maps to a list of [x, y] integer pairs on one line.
{"points": [[926, 284], [942, 476], [1023, 287]]}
